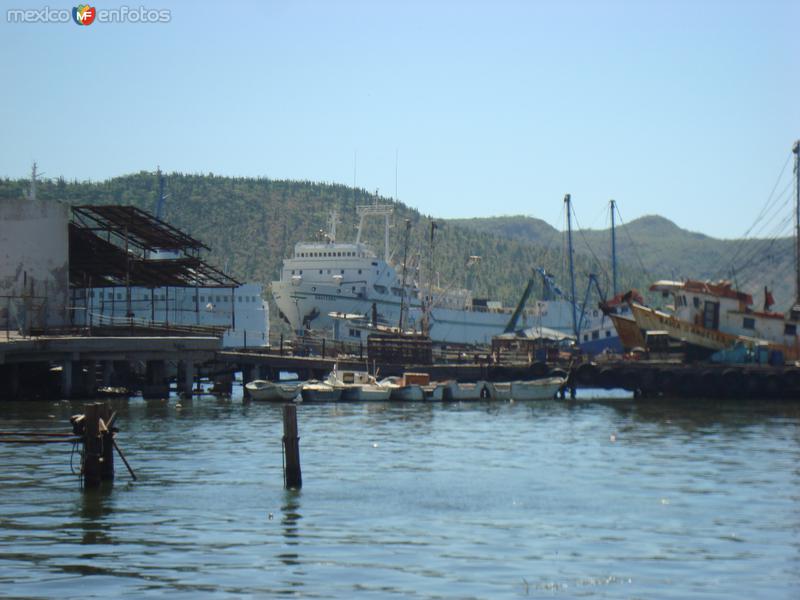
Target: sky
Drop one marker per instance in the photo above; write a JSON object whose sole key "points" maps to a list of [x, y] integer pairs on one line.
{"points": [[686, 109]]}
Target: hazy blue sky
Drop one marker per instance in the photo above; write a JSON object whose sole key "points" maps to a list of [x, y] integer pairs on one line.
{"points": [[685, 109]]}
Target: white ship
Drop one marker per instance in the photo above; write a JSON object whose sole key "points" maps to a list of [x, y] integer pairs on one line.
{"points": [[327, 279]]}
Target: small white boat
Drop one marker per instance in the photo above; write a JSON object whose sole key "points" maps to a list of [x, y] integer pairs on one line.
{"points": [[537, 389], [320, 391], [357, 386], [465, 391], [270, 391]]}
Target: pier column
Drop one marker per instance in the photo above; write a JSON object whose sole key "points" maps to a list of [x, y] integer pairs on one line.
{"points": [[247, 377], [108, 371], [66, 379], [156, 385], [12, 380], [186, 376]]}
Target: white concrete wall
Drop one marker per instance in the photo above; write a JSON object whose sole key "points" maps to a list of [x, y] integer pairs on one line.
{"points": [[34, 263]]}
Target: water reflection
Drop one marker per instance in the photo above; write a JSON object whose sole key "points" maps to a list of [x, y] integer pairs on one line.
{"points": [[289, 520], [94, 507]]}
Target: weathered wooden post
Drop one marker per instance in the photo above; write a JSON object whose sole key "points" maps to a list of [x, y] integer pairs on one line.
{"points": [[98, 446], [292, 477]]}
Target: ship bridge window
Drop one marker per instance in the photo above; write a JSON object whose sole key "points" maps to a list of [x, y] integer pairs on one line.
{"points": [[696, 302], [608, 333], [381, 289], [595, 335], [748, 323], [320, 271], [359, 271], [397, 291], [790, 329]]}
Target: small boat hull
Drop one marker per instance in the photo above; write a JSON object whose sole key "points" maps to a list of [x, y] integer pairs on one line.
{"points": [[321, 392], [269, 391], [456, 391], [408, 393], [365, 393], [537, 389]]}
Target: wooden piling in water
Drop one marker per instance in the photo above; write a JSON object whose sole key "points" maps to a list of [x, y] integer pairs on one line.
{"points": [[98, 446], [292, 477]]}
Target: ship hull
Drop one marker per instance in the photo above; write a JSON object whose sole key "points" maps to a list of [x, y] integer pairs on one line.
{"points": [[648, 319]]}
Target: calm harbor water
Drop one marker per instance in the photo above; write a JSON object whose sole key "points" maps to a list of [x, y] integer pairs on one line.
{"points": [[662, 499]]}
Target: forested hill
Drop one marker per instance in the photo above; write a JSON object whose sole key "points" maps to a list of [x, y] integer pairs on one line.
{"points": [[665, 251], [252, 224]]}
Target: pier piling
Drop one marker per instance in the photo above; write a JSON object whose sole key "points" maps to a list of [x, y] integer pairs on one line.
{"points": [[292, 477], [98, 445]]}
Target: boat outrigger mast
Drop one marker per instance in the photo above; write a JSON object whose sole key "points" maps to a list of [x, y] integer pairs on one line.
{"points": [[796, 150], [573, 299], [613, 251]]}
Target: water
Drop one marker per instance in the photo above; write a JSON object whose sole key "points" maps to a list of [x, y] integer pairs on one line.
{"points": [[547, 499]]}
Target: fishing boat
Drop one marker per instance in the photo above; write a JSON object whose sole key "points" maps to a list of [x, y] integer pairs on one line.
{"points": [[269, 391], [708, 317], [357, 386]]}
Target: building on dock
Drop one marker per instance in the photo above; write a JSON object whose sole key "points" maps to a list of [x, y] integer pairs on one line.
{"points": [[34, 264]]}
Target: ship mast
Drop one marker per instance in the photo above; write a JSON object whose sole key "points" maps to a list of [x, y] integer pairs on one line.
{"points": [[796, 150], [613, 251], [403, 285], [375, 210], [571, 267]]}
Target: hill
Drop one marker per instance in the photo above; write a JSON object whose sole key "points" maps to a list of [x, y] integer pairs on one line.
{"points": [[662, 250]]}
